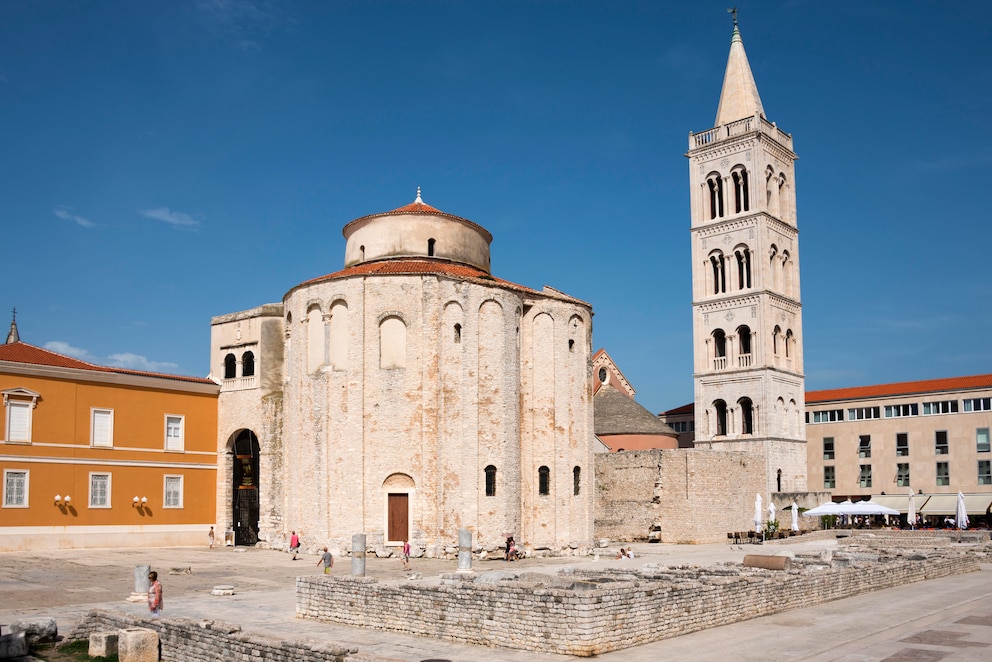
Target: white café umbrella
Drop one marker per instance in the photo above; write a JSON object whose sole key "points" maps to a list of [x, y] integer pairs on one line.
{"points": [[962, 513], [828, 508], [757, 512], [771, 511], [869, 507], [911, 510], [795, 516]]}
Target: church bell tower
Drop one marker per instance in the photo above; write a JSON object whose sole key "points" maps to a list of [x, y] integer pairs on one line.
{"points": [[746, 307]]}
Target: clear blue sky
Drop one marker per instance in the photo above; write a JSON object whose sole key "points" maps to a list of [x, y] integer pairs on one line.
{"points": [[165, 162]]}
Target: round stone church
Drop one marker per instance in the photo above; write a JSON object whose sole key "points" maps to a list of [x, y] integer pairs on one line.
{"points": [[406, 396]]}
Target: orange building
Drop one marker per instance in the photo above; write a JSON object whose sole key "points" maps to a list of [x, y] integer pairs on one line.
{"points": [[93, 456]]}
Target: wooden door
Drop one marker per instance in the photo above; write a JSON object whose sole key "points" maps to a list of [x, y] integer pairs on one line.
{"points": [[399, 517]]}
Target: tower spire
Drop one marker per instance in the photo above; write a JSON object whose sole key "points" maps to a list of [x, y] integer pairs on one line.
{"points": [[739, 97], [12, 335]]}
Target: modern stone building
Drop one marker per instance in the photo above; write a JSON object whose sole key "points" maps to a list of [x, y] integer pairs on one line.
{"points": [[931, 437], [406, 396], [747, 317]]}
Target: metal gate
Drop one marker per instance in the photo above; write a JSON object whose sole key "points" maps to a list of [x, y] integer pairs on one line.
{"points": [[245, 507]]}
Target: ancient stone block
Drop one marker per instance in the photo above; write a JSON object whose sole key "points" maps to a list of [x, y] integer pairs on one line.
{"points": [[103, 644], [137, 645], [36, 630]]}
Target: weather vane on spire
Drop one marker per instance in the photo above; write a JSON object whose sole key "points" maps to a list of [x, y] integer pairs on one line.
{"points": [[734, 12]]}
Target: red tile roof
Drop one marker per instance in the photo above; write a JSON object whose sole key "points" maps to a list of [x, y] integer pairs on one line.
{"points": [[414, 266], [900, 388], [417, 208], [20, 352], [684, 409]]}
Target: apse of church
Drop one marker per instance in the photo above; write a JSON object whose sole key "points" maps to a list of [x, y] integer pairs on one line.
{"points": [[406, 396]]}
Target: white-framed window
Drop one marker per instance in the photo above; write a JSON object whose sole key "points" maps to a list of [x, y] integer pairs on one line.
{"points": [[828, 416], [982, 440], [898, 411], [902, 474], [99, 490], [15, 488], [18, 405], [864, 478], [940, 407], [863, 413], [173, 492], [978, 404], [943, 474], [102, 428], [175, 433], [829, 477]]}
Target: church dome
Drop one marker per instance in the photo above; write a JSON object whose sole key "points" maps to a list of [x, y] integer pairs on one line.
{"points": [[416, 230]]}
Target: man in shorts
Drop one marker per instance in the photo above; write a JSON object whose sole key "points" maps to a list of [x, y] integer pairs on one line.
{"points": [[328, 560]]}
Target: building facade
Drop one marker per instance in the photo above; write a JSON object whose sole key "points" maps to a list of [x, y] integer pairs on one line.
{"points": [[931, 437], [102, 457], [407, 396], [747, 317], [621, 423]]}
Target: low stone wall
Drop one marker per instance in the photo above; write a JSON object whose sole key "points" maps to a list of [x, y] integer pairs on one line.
{"points": [[183, 640], [604, 611]]}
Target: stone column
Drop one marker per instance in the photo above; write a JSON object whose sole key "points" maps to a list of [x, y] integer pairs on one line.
{"points": [[358, 555], [464, 550], [141, 584]]}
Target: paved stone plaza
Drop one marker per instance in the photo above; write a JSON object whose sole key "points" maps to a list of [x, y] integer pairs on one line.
{"points": [[948, 619]]}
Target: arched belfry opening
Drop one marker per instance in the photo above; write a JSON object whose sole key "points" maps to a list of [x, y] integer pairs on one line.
{"points": [[244, 502]]}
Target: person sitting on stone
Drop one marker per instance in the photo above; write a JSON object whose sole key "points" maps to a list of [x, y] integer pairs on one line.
{"points": [[622, 554]]}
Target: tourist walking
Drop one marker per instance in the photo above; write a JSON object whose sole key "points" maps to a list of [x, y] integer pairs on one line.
{"points": [[154, 595], [406, 555], [294, 545], [328, 560], [210, 537]]}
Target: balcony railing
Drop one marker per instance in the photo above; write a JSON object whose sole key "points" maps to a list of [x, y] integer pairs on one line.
{"points": [[744, 361], [755, 122], [720, 363], [239, 384]]}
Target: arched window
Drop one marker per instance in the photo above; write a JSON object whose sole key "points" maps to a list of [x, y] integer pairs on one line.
{"points": [[747, 415], [430, 247], [392, 343], [490, 480], [743, 346], [773, 267], [247, 364], [714, 187], [773, 186], [743, 256], [719, 277], [786, 280], [776, 332], [230, 366], [458, 333], [361, 253], [788, 343], [778, 480], [544, 481], [719, 349], [338, 336], [576, 480], [315, 339], [720, 407], [571, 345], [742, 200]]}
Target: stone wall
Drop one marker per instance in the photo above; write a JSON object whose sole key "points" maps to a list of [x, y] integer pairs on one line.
{"points": [[184, 640], [683, 496], [605, 611]]}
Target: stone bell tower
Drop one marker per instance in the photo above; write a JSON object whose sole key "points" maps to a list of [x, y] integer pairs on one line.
{"points": [[747, 311]]}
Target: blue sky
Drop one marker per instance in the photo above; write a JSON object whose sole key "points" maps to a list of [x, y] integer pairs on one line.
{"points": [[167, 162]]}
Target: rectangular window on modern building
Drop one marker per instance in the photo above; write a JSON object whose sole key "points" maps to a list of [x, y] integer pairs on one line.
{"points": [[864, 445], [943, 474], [978, 404], [18, 421], [982, 440], [864, 477], [99, 490], [902, 444], [828, 448], [940, 443], [863, 413], [898, 411], [174, 430], [941, 407], [173, 492], [15, 488], [985, 472], [902, 474], [828, 416], [829, 478], [102, 428]]}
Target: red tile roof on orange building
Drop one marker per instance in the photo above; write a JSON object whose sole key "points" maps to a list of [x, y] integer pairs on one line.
{"points": [[20, 352], [900, 388]]}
